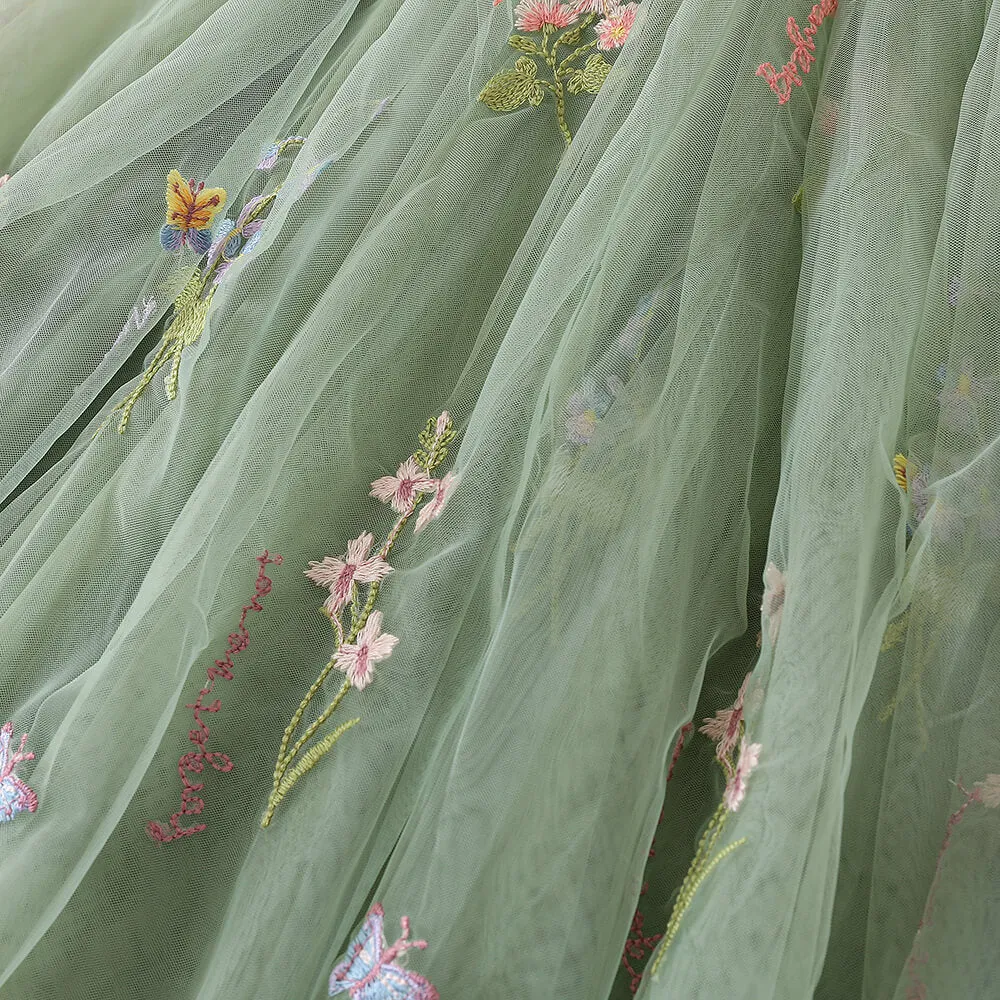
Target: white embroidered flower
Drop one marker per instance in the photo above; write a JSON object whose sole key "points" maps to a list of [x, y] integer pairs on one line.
{"points": [[725, 727], [432, 509], [774, 600], [357, 659], [401, 489], [989, 791], [340, 574], [736, 786]]}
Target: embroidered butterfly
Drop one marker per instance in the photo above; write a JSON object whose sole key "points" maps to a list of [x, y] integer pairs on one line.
{"points": [[369, 970], [15, 795], [191, 208]]}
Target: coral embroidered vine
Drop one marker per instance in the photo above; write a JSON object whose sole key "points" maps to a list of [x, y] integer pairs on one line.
{"points": [[15, 795], [558, 25], [193, 762], [360, 641], [371, 969], [727, 729], [191, 212], [638, 944], [781, 81]]}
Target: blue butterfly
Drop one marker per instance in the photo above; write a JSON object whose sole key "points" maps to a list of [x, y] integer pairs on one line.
{"points": [[15, 795], [369, 972]]}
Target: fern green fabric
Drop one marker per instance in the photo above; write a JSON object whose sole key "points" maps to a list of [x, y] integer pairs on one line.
{"points": [[666, 376]]}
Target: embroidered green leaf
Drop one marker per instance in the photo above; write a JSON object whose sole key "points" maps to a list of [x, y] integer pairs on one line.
{"points": [[591, 78], [510, 88], [571, 37], [523, 44]]}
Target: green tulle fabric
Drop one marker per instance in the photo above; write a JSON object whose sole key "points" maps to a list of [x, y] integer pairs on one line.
{"points": [[719, 351]]}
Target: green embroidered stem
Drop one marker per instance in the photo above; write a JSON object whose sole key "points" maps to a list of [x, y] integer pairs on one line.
{"points": [[564, 65], [286, 759], [309, 760]]}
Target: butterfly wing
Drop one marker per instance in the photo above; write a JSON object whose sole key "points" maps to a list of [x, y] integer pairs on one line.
{"points": [[200, 240], [172, 237], [180, 200], [206, 204], [363, 954], [396, 983], [15, 797], [6, 731], [191, 209]]}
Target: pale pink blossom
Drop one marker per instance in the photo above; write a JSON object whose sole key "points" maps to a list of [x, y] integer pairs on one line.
{"points": [[614, 29], [357, 659], [989, 791], [437, 504], [725, 727], [533, 15], [401, 489], [592, 6], [340, 574], [4, 179], [736, 786], [774, 600]]}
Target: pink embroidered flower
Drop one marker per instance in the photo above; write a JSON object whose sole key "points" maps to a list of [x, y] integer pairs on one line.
{"points": [[592, 6], [433, 509], [357, 659], [725, 727], [774, 600], [736, 786], [989, 791], [4, 179], [339, 574], [614, 29], [401, 489], [533, 15]]}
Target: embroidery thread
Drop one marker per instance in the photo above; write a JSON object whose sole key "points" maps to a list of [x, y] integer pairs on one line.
{"points": [[372, 970], [136, 320], [781, 81], [15, 795], [549, 20], [727, 728], [361, 643], [986, 793], [193, 762], [191, 210]]}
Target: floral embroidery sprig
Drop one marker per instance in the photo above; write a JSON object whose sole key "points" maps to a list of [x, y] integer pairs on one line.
{"points": [[986, 793], [781, 81], [371, 969], [727, 728], [361, 643], [136, 320], [273, 152], [15, 795], [193, 762], [548, 20], [191, 211]]}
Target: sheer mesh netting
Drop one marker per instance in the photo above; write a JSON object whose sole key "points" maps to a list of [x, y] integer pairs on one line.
{"points": [[733, 347]]}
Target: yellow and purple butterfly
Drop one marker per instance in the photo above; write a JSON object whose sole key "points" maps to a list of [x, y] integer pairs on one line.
{"points": [[191, 209]]}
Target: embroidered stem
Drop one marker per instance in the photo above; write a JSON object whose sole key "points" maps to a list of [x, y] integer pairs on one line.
{"points": [[194, 762], [309, 760]]}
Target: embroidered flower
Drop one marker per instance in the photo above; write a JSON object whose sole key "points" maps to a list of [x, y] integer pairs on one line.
{"points": [[736, 786], [358, 659], [15, 795], [989, 791], [401, 489], [774, 600], [592, 7], [581, 423], [613, 31], [4, 179], [339, 575], [533, 15], [432, 510], [725, 727]]}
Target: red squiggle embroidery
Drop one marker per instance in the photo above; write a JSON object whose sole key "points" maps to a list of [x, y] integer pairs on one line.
{"points": [[193, 762], [637, 945], [802, 53]]}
